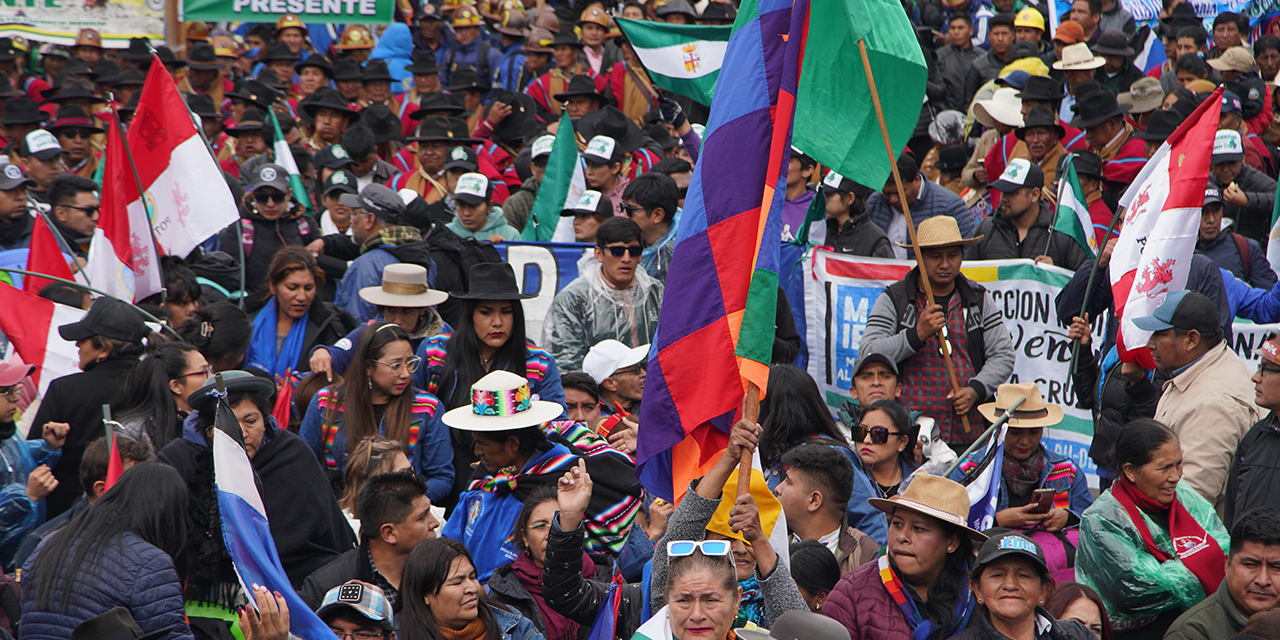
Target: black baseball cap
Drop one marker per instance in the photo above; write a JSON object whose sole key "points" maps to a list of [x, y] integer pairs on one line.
{"points": [[1183, 309], [12, 177], [270, 175], [1011, 543], [334, 156], [462, 157], [867, 357], [109, 318], [340, 180], [381, 201]]}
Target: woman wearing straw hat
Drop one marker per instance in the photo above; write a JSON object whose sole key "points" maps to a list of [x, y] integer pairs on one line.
{"points": [[1029, 467], [930, 547], [491, 337], [519, 452], [403, 299]]}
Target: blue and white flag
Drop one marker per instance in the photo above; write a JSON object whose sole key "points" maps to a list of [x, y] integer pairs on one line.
{"points": [[984, 486], [245, 529]]}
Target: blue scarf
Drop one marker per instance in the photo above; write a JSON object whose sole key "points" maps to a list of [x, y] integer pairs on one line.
{"points": [[262, 347], [751, 607]]}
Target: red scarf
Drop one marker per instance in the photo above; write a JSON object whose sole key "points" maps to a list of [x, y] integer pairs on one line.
{"points": [[1197, 550], [558, 626]]}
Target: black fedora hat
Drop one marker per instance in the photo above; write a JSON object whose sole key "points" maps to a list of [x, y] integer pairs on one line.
{"points": [[465, 78], [202, 105], [1040, 117], [493, 281], [951, 159], [252, 120], [203, 58], [436, 103], [73, 116], [6, 88], [78, 67], [316, 61], [612, 122], [167, 58], [346, 69], [139, 50], [129, 107], [280, 51], [1160, 126], [1041, 88], [516, 124], [1181, 17], [108, 73], [1112, 42], [1087, 163], [255, 92], [424, 63], [330, 100], [376, 70], [1096, 108], [23, 111], [442, 129], [581, 85], [659, 134], [131, 77], [70, 89], [115, 624], [719, 11], [385, 125], [567, 36]]}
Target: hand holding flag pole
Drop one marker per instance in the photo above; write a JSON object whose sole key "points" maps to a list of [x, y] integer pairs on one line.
{"points": [[944, 339], [986, 435], [1088, 288]]}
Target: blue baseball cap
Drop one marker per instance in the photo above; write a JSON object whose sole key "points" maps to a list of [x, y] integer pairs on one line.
{"points": [[365, 599], [1184, 309]]}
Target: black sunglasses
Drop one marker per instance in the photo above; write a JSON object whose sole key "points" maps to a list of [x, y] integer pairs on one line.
{"points": [[88, 211], [263, 198], [635, 250], [76, 133], [879, 435]]}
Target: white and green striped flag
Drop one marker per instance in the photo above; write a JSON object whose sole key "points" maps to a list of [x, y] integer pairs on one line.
{"points": [[1072, 217], [683, 59], [284, 158], [563, 182]]}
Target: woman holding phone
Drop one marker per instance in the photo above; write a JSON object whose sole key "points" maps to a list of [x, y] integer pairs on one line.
{"points": [[1039, 489]]}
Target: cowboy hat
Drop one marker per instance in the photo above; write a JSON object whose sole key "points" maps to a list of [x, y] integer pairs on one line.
{"points": [[403, 285], [1078, 57], [316, 61], [501, 401], [933, 496], [940, 231], [441, 129], [73, 116], [1004, 107], [1033, 413]]}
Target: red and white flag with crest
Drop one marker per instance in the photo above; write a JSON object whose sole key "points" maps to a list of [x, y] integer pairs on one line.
{"points": [[1161, 224], [122, 257]]}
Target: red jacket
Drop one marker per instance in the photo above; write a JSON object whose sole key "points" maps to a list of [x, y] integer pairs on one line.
{"points": [[862, 604]]}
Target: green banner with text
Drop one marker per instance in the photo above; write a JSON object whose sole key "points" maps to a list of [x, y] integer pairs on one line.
{"points": [[311, 11]]}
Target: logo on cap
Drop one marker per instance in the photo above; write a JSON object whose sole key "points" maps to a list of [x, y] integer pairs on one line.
{"points": [[601, 146], [41, 140], [473, 184], [543, 145], [350, 592], [338, 178], [589, 200], [1019, 543], [458, 153], [339, 151], [267, 174], [1014, 172], [1227, 142], [12, 171], [833, 180]]}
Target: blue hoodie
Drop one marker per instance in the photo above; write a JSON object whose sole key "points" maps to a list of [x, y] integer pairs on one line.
{"points": [[396, 48]]}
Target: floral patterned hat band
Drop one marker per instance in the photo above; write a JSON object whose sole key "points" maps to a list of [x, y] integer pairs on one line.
{"points": [[502, 401]]}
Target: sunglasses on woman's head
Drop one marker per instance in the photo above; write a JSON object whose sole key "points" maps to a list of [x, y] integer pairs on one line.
{"points": [[879, 435], [635, 250], [679, 548]]}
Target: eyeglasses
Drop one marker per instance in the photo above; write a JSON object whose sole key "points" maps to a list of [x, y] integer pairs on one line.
{"points": [[263, 198], [538, 526], [395, 367], [879, 435], [206, 372], [635, 250], [635, 368], [11, 392], [1262, 368], [88, 211], [75, 133], [680, 548], [359, 635], [631, 208]]}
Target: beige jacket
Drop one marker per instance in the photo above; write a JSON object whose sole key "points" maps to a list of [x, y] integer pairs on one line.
{"points": [[1210, 407]]}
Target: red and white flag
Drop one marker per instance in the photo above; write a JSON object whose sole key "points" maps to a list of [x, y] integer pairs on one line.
{"points": [[122, 256], [190, 199], [34, 334], [45, 256], [1161, 224]]}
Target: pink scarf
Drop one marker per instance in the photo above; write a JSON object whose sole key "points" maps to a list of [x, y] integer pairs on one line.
{"points": [[558, 626]]}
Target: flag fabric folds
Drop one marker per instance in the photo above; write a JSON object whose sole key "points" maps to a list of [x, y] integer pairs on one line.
{"points": [[836, 120], [45, 256], [716, 328], [1161, 225], [245, 529], [563, 182], [34, 333], [184, 183], [1273, 247], [983, 482], [284, 158], [1072, 217], [683, 59], [122, 256]]}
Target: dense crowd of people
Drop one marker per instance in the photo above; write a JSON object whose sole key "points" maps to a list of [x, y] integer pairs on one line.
{"points": [[431, 470]]}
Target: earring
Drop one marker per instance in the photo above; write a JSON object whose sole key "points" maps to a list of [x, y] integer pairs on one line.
{"points": [[368, 382]]}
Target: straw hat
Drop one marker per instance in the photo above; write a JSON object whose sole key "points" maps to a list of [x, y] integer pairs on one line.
{"points": [[1004, 107], [403, 285], [933, 496], [1078, 57], [501, 401], [1032, 414], [940, 231]]}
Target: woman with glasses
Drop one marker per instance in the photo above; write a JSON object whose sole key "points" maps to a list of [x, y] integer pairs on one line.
{"points": [[307, 525], [294, 320], [491, 337], [155, 403], [442, 598], [885, 439], [379, 399]]}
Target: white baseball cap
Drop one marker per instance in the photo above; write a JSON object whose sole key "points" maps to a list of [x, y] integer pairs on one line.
{"points": [[608, 356]]}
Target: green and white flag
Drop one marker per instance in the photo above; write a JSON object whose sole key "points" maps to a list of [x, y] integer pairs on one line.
{"points": [[284, 158], [683, 59], [563, 182], [1072, 217]]}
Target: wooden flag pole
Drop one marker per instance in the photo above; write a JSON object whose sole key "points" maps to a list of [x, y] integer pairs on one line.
{"points": [[945, 342], [750, 412]]}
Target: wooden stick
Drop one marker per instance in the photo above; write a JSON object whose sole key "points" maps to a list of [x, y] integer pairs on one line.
{"points": [[750, 412], [945, 343]]}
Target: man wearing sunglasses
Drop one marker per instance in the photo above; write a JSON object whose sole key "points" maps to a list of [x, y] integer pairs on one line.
{"points": [[620, 371], [617, 300], [651, 201], [75, 129], [75, 211], [1253, 480]]}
